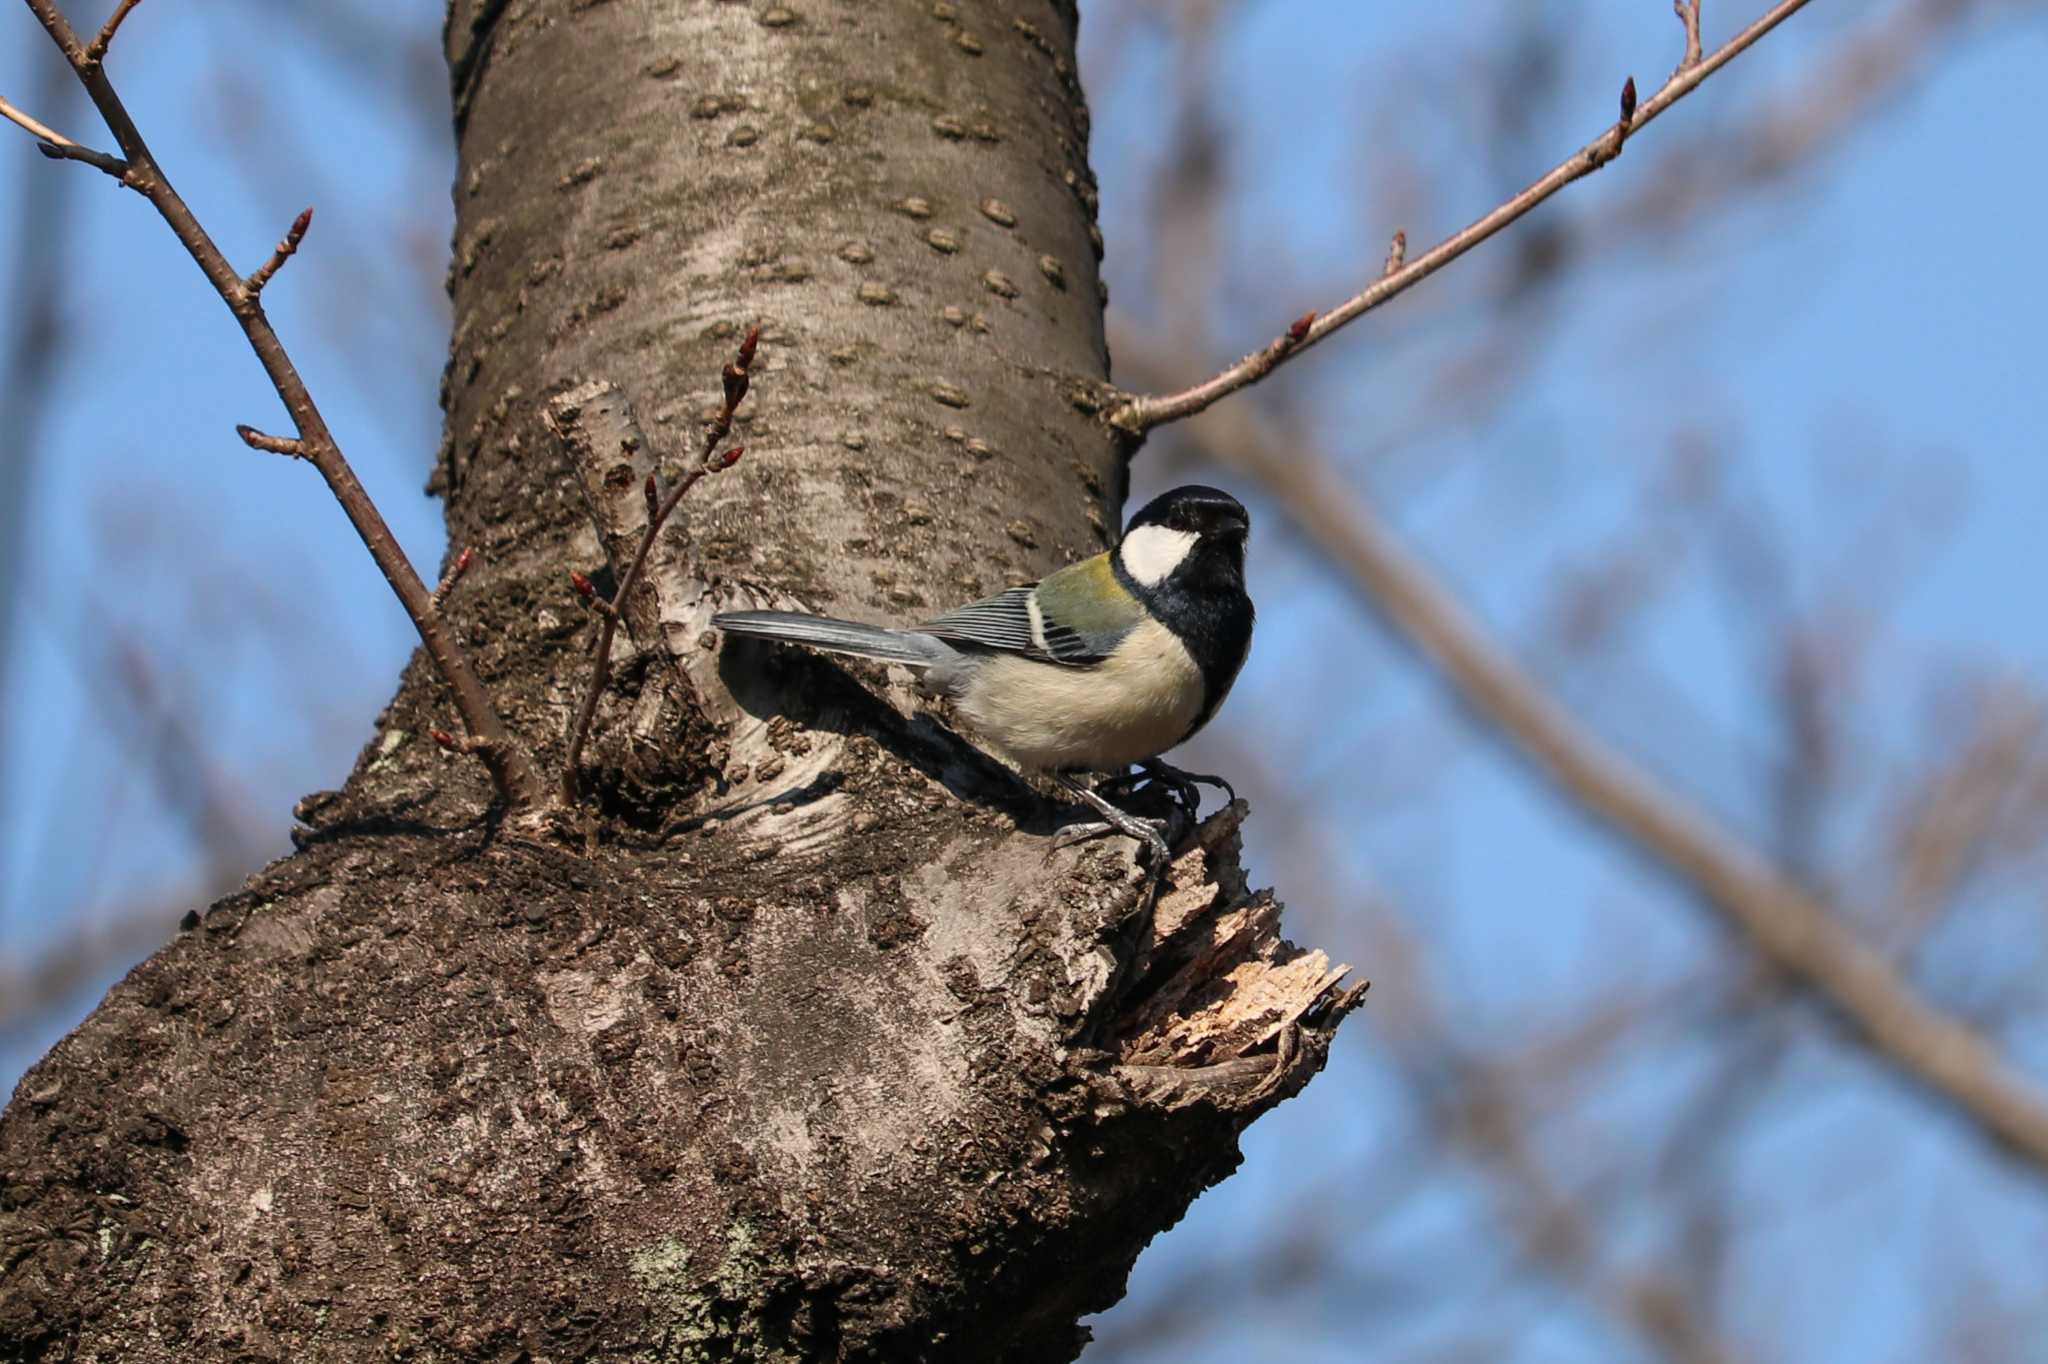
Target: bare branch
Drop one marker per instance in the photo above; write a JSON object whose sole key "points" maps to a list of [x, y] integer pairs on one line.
{"points": [[276, 445], [1141, 414], [98, 51], [467, 743], [1477, 1105], [1688, 12], [58, 147], [1953, 812], [1780, 918], [564, 418], [286, 249], [511, 770], [601, 673], [452, 577], [1397, 251], [30, 989], [587, 589]]}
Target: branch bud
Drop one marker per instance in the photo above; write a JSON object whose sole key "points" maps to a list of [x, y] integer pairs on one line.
{"points": [[274, 445], [453, 576]]}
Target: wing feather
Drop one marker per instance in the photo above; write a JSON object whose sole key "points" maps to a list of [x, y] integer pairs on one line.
{"points": [[1075, 617], [1002, 622]]}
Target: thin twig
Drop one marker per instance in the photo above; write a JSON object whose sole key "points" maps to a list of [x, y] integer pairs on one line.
{"points": [[275, 445], [587, 590], [1780, 918], [1142, 414], [735, 380], [511, 770], [56, 146], [451, 577], [602, 670], [286, 249], [98, 51], [1688, 12], [1477, 1104]]}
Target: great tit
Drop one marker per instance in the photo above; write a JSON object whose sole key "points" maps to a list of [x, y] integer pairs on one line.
{"points": [[1107, 663]]}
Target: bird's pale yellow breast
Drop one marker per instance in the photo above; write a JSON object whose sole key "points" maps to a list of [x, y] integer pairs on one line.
{"points": [[1135, 704]]}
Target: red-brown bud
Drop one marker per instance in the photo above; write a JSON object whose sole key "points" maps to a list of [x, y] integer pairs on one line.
{"points": [[584, 587], [753, 339], [1298, 333], [1628, 102], [653, 496], [445, 739], [731, 457]]}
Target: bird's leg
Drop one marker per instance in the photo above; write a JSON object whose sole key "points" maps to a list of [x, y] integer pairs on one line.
{"points": [[1120, 785], [1136, 928], [1148, 832]]}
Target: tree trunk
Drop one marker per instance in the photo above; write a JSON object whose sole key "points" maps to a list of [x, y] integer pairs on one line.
{"points": [[796, 1045]]}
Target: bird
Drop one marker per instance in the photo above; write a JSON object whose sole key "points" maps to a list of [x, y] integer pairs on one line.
{"points": [[1099, 667]]}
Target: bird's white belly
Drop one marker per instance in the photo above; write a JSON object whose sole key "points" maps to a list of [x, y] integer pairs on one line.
{"points": [[1135, 704]]}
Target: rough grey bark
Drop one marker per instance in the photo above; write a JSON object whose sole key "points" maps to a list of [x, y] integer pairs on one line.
{"points": [[795, 1044]]}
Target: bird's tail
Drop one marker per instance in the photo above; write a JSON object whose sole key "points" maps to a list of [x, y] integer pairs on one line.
{"points": [[835, 636]]}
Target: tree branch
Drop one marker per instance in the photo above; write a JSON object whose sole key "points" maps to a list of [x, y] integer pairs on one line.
{"points": [[287, 247], [98, 50], [511, 769], [564, 419], [1781, 919], [58, 147], [1688, 12], [1142, 414]]}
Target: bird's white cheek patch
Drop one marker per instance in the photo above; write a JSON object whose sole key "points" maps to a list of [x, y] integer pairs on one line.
{"points": [[1149, 553]]}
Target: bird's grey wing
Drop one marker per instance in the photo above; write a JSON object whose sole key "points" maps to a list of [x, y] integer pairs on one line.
{"points": [[1076, 617], [1003, 623]]}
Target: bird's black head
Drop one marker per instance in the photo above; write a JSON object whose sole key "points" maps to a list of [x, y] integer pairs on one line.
{"points": [[1192, 534], [1183, 557]]}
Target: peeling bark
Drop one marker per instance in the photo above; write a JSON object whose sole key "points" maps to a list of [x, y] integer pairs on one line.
{"points": [[798, 1046]]}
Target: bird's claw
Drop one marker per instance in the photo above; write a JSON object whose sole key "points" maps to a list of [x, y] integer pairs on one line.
{"points": [[1152, 833], [1181, 785]]}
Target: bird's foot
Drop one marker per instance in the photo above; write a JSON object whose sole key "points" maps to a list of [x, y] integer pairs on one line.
{"points": [[1130, 936], [1183, 787], [1154, 835], [1184, 784]]}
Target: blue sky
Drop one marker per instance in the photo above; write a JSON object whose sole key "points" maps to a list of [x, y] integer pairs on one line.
{"points": [[1863, 340]]}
